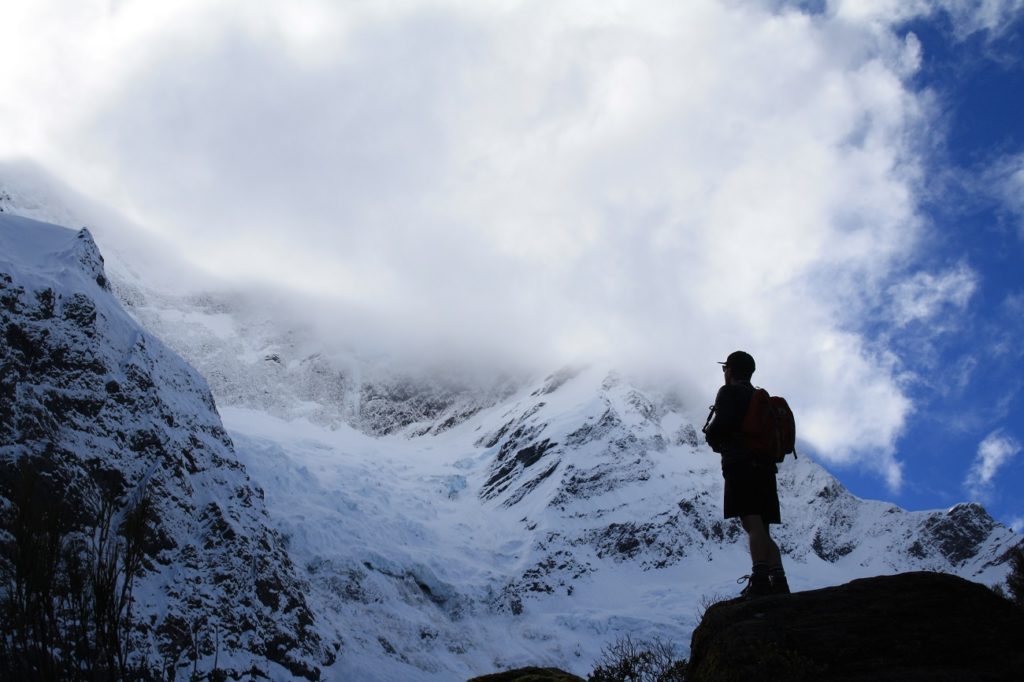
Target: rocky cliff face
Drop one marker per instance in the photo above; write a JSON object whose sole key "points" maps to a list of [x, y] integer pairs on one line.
{"points": [[100, 409]]}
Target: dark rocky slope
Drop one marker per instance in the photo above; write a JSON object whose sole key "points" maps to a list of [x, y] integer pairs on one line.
{"points": [[911, 626]]}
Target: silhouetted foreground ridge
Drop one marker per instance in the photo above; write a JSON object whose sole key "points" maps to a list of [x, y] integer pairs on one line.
{"points": [[912, 626]]}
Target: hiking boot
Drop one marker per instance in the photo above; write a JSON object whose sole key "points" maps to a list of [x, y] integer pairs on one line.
{"points": [[758, 585], [779, 584]]}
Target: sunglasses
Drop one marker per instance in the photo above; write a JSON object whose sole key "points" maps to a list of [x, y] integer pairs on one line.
{"points": [[725, 368]]}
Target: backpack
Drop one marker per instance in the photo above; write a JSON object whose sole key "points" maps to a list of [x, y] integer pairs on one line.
{"points": [[769, 429]]}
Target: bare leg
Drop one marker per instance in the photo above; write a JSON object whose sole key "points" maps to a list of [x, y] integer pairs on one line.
{"points": [[762, 548], [776, 556]]}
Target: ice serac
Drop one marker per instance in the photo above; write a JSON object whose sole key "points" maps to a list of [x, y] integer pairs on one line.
{"points": [[98, 408]]}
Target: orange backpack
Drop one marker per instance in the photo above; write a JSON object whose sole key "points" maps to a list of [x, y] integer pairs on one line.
{"points": [[769, 429]]}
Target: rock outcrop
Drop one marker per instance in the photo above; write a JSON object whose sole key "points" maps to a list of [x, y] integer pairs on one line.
{"points": [[911, 626], [530, 675]]}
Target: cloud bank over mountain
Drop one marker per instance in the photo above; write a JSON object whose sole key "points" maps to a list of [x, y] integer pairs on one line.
{"points": [[656, 181]]}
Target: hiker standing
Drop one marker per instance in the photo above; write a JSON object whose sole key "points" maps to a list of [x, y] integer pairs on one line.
{"points": [[750, 491]]}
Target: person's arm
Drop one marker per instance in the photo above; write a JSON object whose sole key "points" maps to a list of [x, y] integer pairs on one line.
{"points": [[727, 419]]}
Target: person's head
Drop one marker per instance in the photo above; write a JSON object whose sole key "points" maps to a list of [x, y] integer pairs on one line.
{"points": [[739, 366]]}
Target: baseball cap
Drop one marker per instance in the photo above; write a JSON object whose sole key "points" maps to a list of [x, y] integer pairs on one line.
{"points": [[741, 362]]}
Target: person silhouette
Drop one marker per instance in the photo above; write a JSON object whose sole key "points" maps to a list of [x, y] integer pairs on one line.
{"points": [[751, 493]]}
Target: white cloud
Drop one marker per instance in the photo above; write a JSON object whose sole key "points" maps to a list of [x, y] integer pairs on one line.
{"points": [[652, 179], [926, 295], [997, 450], [967, 18], [994, 16], [1006, 179]]}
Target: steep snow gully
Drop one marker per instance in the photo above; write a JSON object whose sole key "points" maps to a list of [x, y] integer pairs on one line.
{"points": [[427, 530]]}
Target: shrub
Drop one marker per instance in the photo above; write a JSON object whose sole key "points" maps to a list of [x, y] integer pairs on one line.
{"points": [[706, 602], [66, 585], [1015, 581], [629, 660]]}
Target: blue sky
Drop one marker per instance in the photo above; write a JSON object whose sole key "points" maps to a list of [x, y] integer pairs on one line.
{"points": [[836, 187], [978, 84]]}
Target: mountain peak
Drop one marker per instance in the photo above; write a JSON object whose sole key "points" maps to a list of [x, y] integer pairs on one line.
{"points": [[51, 251], [90, 258]]}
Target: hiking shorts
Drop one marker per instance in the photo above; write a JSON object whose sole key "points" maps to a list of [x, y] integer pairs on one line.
{"points": [[751, 491]]}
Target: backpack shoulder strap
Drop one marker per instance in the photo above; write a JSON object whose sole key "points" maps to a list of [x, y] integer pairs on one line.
{"points": [[711, 415]]}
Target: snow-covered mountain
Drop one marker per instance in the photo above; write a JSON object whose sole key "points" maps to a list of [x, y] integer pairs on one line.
{"points": [[454, 526]]}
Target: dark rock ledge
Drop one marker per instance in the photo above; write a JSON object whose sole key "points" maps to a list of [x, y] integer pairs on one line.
{"points": [[907, 627], [530, 675]]}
